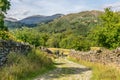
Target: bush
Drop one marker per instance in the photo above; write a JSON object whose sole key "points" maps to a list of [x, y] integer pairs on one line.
{"points": [[6, 35]]}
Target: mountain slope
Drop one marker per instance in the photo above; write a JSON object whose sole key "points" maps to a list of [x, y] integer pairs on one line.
{"points": [[69, 31], [31, 21], [79, 23]]}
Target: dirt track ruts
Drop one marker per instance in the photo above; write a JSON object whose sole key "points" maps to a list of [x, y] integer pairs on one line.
{"points": [[67, 70]]}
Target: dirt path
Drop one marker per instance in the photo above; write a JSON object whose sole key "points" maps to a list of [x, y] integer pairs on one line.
{"points": [[67, 70]]}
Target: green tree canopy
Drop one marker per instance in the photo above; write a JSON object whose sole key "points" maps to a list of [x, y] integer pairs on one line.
{"points": [[107, 34], [4, 6]]}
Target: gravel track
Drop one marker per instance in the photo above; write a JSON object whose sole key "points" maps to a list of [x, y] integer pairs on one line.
{"points": [[67, 70]]}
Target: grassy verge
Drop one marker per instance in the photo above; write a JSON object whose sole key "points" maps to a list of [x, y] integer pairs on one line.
{"points": [[100, 71], [20, 67]]}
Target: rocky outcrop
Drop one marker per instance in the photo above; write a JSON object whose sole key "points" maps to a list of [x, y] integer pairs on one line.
{"points": [[11, 46]]}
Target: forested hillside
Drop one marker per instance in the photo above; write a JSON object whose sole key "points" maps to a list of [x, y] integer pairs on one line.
{"points": [[69, 31], [79, 23], [76, 31]]}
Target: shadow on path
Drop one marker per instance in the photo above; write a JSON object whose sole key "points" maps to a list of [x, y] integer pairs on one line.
{"points": [[61, 72], [68, 70]]}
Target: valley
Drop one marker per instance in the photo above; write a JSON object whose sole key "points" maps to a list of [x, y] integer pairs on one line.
{"points": [[77, 44]]}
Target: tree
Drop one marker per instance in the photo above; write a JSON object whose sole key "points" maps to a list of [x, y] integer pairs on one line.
{"points": [[4, 6], [107, 34]]}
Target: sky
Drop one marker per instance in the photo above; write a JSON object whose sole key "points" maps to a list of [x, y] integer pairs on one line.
{"points": [[24, 8]]}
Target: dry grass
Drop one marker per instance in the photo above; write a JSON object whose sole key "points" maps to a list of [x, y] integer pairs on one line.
{"points": [[100, 71], [65, 51], [20, 67]]}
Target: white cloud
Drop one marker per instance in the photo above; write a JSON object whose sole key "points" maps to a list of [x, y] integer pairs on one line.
{"points": [[23, 8], [114, 6]]}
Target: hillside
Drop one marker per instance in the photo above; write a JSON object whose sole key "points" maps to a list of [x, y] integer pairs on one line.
{"points": [[30, 21], [69, 31], [79, 23], [34, 20]]}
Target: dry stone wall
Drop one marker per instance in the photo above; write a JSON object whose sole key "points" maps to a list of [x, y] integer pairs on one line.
{"points": [[104, 56], [11, 46]]}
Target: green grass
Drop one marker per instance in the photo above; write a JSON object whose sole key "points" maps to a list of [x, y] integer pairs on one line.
{"points": [[20, 67], [99, 71]]}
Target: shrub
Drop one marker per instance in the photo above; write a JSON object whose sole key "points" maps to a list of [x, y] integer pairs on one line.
{"points": [[6, 35]]}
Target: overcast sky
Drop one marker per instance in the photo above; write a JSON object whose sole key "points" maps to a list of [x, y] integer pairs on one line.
{"points": [[23, 8]]}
